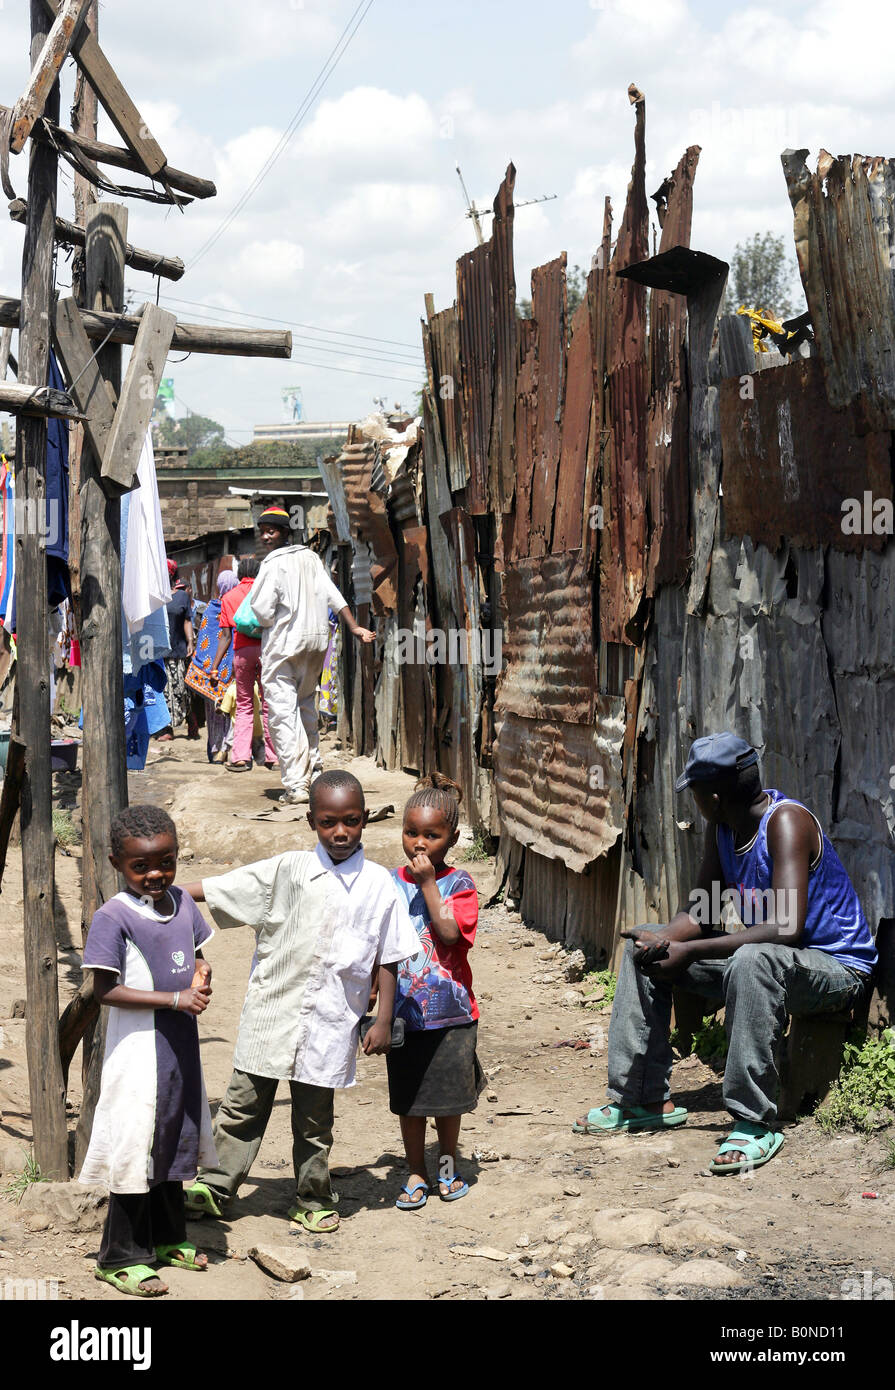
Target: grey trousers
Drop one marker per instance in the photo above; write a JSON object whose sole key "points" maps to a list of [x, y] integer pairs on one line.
{"points": [[239, 1128], [758, 986]]}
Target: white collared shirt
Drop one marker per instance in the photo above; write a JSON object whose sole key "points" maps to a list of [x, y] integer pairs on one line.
{"points": [[322, 929]]}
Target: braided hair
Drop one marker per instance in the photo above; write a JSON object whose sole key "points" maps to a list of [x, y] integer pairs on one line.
{"points": [[248, 567], [441, 794], [140, 823]]}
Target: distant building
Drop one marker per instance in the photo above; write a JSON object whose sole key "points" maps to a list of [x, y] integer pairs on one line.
{"points": [[300, 431]]}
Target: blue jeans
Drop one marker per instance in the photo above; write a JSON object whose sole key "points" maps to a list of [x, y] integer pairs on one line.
{"points": [[758, 986]]}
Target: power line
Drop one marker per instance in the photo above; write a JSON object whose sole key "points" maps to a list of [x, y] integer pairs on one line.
{"points": [[308, 101], [287, 323], [345, 350]]}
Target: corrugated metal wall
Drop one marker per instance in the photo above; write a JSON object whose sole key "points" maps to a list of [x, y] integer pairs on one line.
{"points": [[650, 522]]}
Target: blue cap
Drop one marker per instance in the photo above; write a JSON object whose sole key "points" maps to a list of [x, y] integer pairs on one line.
{"points": [[717, 755]]}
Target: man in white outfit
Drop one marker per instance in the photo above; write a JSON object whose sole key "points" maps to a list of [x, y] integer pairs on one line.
{"points": [[290, 599]]}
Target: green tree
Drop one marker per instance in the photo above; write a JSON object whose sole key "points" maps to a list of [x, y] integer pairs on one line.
{"points": [[576, 289], [194, 431], [762, 276]]}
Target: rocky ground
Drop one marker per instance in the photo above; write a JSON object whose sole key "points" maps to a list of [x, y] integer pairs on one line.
{"points": [[550, 1215]]}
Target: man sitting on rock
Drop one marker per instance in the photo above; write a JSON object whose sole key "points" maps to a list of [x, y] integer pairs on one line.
{"points": [[805, 948]]}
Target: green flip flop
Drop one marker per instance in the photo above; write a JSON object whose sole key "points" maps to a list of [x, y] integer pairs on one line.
{"points": [[311, 1220], [757, 1142], [128, 1280], [615, 1123], [199, 1201], [167, 1255]]}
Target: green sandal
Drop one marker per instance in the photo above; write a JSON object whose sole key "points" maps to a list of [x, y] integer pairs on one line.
{"points": [[614, 1123], [129, 1279], [757, 1142], [311, 1220], [199, 1201], [167, 1255]]}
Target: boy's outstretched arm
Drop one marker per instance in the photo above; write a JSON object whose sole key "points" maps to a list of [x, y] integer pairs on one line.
{"points": [[195, 891], [379, 1038]]}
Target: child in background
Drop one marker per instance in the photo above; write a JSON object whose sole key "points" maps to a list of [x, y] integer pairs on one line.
{"points": [[326, 920], [437, 1071], [246, 670], [152, 1125]]}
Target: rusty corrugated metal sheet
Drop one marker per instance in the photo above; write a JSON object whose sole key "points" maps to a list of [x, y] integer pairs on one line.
{"points": [[624, 538], [572, 515], [469, 677], [667, 440], [790, 460], [501, 454], [548, 308], [519, 531], [844, 227], [558, 785], [369, 520], [548, 641], [475, 313], [444, 330]]}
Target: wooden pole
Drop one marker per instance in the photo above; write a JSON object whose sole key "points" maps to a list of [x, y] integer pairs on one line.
{"points": [[33, 674], [73, 234], [188, 337], [104, 784]]}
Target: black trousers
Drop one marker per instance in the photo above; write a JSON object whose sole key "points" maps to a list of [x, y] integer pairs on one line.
{"points": [[137, 1222]]}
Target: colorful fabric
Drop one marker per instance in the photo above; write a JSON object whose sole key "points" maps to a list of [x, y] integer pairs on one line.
{"points": [[217, 726], [7, 562], [276, 516], [435, 986], [197, 677], [327, 692], [178, 694], [152, 1122]]}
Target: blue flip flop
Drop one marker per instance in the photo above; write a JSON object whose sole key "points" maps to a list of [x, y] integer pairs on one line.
{"points": [[453, 1196], [413, 1206]]}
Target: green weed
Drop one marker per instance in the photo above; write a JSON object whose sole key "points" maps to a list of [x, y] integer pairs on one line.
{"points": [[710, 1042], [863, 1097], [30, 1173], [478, 850], [600, 979], [64, 829]]}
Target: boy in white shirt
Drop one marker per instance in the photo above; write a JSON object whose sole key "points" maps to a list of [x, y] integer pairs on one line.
{"points": [[325, 920]]}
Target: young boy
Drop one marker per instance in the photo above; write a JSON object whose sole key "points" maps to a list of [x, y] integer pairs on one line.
{"points": [[809, 951], [325, 921]]}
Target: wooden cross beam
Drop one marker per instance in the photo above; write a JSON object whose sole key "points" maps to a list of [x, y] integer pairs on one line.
{"points": [[188, 337], [45, 72], [70, 234], [46, 401], [48, 132]]}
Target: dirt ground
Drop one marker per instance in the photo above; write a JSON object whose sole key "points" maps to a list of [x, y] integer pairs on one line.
{"points": [[550, 1215]]}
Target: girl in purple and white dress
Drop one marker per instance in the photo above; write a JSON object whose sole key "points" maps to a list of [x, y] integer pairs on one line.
{"points": [[152, 1126]]}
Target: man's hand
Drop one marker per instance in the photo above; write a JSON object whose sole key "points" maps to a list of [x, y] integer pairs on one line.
{"points": [[669, 966], [422, 869], [365, 635], [648, 947], [378, 1039]]}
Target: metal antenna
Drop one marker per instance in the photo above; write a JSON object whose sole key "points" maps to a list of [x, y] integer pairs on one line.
{"points": [[478, 213]]}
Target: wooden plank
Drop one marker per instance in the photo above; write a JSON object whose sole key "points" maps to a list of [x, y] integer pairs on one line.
{"points": [[71, 234], [45, 1083], [45, 72], [89, 388], [188, 337], [5, 346], [144, 374], [46, 401], [104, 785], [120, 109]]}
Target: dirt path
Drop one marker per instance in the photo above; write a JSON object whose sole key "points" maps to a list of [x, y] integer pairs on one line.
{"points": [[552, 1215]]}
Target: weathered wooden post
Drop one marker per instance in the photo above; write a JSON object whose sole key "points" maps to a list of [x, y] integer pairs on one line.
{"points": [[32, 726], [104, 785]]}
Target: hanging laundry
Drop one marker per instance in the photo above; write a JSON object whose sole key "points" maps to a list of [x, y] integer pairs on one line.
{"points": [[145, 586]]}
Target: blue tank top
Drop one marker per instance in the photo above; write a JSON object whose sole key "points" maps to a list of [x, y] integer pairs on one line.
{"points": [[834, 921]]}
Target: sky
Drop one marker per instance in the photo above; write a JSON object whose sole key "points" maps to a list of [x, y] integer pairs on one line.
{"points": [[363, 214]]}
